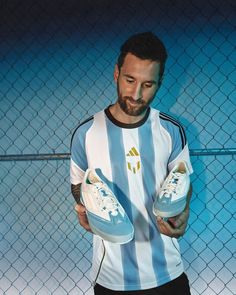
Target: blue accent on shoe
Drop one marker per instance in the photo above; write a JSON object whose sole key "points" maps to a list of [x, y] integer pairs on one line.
{"points": [[106, 216]]}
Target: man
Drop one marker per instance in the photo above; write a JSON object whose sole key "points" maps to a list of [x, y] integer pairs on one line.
{"points": [[151, 263]]}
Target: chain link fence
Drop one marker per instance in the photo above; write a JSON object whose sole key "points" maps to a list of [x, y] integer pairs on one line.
{"points": [[56, 68]]}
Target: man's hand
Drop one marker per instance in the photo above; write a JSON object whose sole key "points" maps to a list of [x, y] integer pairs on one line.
{"points": [[83, 220], [175, 226], [79, 208]]}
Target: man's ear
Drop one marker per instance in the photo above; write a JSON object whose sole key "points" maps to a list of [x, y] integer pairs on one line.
{"points": [[116, 73]]}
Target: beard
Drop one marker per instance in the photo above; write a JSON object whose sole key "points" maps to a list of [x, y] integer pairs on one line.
{"points": [[138, 106]]}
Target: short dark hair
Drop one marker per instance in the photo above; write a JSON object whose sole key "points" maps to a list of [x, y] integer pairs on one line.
{"points": [[145, 46]]}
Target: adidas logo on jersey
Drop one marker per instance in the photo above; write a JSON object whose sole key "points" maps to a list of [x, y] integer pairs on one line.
{"points": [[133, 160]]}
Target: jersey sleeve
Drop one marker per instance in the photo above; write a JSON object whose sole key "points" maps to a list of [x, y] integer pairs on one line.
{"points": [[180, 150], [78, 161], [183, 155], [179, 145]]}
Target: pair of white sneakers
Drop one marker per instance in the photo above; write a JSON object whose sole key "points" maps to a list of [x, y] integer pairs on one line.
{"points": [[108, 219]]}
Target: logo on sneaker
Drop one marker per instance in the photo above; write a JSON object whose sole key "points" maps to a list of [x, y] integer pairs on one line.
{"points": [[133, 160]]}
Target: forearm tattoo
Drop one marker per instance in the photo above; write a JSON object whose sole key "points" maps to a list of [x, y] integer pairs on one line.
{"points": [[75, 190]]}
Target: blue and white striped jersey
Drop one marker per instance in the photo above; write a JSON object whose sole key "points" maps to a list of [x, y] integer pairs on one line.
{"points": [[134, 160]]}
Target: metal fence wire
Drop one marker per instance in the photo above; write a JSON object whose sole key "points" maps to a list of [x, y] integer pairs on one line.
{"points": [[56, 68]]}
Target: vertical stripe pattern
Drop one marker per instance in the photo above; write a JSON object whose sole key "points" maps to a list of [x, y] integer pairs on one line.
{"points": [[119, 176], [148, 174]]}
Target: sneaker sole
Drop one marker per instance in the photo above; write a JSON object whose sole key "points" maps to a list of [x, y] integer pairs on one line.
{"points": [[171, 210], [113, 239], [118, 239]]}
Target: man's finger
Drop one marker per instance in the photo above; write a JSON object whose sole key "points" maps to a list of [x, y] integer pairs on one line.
{"points": [[83, 220], [180, 220], [80, 209], [167, 229]]}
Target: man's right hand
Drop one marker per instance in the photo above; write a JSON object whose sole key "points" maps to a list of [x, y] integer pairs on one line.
{"points": [[82, 216]]}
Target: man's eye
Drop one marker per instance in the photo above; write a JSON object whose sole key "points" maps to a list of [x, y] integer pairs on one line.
{"points": [[129, 80], [148, 85]]}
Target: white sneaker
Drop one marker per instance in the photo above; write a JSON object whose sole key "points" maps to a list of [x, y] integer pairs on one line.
{"points": [[106, 216], [172, 197]]}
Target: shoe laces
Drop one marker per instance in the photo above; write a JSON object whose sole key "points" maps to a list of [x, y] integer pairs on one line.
{"points": [[106, 201], [174, 181]]}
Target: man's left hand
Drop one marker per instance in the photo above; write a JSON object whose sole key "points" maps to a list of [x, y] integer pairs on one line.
{"points": [[174, 227]]}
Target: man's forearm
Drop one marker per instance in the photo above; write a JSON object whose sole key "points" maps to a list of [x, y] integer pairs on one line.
{"points": [[75, 190]]}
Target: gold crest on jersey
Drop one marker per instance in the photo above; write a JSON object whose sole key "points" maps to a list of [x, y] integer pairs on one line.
{"points": [[133, 160]]}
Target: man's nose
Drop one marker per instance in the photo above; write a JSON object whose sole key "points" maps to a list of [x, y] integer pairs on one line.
{"points": [[137, 92]]}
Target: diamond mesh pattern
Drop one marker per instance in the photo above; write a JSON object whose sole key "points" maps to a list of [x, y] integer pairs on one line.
{"points": [[56, 66]]}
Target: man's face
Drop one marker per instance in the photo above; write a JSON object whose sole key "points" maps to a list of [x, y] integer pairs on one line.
{"points": [[137, 84]]}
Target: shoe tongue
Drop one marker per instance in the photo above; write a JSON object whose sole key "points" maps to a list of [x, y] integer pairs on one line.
{"points": [[91, 178], [178, 173], [181, 172]]}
